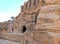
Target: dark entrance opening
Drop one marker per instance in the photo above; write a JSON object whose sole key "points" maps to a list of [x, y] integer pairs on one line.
{"points": [[12, 29], [24, 29]]}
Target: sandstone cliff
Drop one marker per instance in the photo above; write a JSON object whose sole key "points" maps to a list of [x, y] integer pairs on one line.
{"points": [[38, 23]]}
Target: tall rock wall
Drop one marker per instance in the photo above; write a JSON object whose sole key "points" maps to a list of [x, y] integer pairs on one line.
{"points": [[46, 23], [38, 23]]}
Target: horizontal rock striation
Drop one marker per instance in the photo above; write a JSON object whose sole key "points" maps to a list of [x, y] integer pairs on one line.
{"points": [[38, 23]]}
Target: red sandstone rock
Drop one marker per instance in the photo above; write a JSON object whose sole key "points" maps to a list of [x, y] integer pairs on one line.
{"points": [[41, 19]]}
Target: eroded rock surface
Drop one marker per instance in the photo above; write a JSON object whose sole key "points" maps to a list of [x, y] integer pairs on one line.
{"points": [[38, 23]]}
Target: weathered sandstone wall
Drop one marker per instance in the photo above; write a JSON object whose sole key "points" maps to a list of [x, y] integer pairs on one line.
{"points": [[38, 23]]}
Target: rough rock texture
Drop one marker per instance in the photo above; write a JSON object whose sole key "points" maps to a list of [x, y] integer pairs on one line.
{"points": [[38, 23]]}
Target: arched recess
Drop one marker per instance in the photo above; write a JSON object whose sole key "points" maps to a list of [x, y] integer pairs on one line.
{"points": [[24, 29], [12, 29]]}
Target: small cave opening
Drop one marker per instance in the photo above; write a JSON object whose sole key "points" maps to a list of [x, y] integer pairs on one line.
{"points": [[24, 29], [12, 29]]}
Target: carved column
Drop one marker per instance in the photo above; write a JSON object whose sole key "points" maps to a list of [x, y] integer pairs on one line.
{"points": [[27, 5], [31, 2], [24, 8]]}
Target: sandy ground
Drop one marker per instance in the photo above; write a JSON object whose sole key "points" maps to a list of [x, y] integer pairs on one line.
{"points": [[7, 42]]}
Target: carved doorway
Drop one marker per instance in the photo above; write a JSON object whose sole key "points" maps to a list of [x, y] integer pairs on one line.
{"points": [[24, 29]]}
